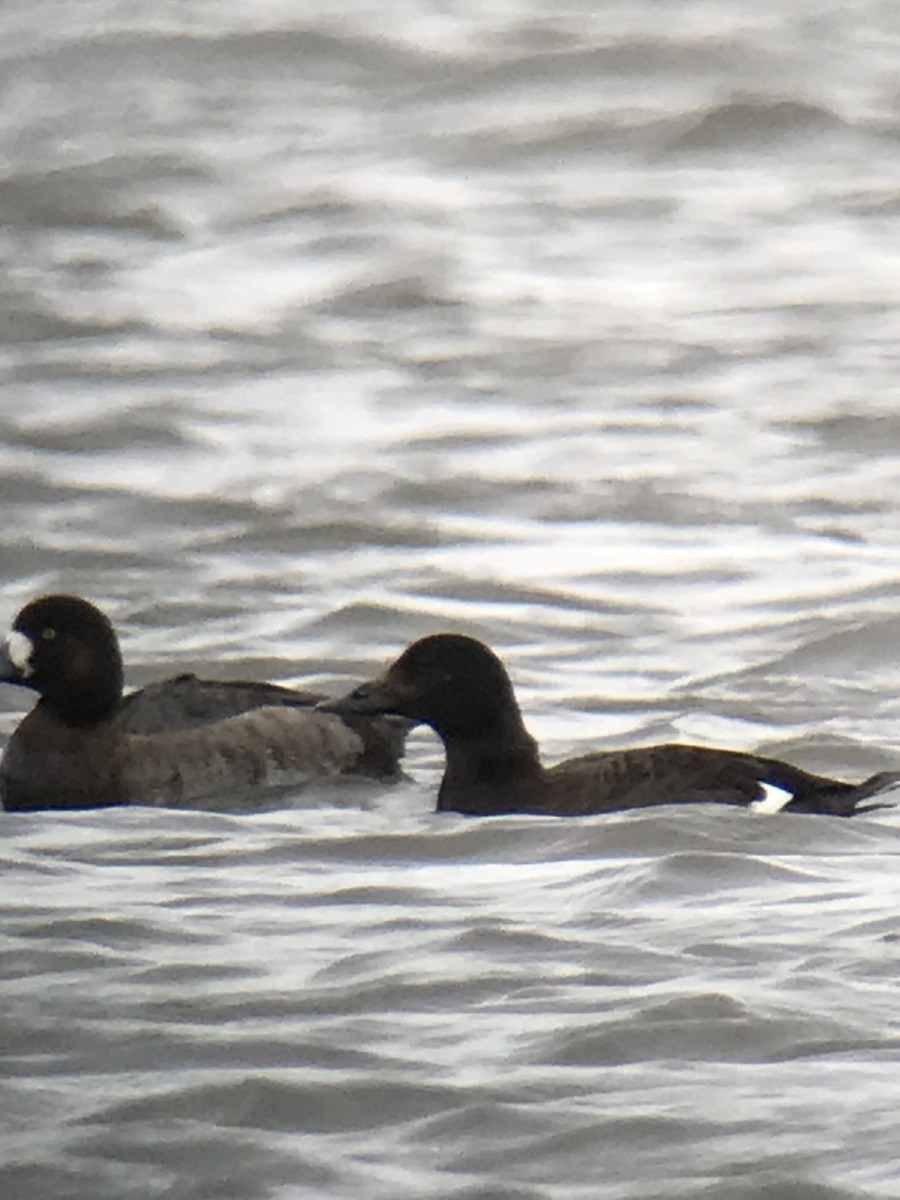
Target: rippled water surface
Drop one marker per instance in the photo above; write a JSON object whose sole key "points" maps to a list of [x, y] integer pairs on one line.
{"points": [[323, 327]]}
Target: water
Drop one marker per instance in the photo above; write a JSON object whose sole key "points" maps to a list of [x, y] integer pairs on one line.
{"points": [[575, 329]]}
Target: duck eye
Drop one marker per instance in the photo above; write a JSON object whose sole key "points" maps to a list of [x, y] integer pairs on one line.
{"points": [[48, 635]]}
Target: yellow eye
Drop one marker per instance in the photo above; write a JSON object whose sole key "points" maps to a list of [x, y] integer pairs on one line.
{"points": [[48, 635]]}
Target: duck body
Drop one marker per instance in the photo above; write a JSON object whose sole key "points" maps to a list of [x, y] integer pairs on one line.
{"points": [[461, 689], [179, 741], [645, 777], [49, 764]]}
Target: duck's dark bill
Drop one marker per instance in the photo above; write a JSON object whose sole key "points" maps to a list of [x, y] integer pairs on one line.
{"points": [[375, 698]]}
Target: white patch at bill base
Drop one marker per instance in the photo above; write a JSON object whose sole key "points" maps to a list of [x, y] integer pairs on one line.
{"points": [[20, 648], [773, 801]]}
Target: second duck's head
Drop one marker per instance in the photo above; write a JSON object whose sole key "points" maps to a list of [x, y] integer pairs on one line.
{"points": [[453, 683]]}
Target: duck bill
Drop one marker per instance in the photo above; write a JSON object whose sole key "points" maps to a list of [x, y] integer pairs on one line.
{"points": [[380, 696]]}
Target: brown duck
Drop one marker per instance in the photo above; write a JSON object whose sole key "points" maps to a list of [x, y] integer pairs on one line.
{"points": [[460, 688]]}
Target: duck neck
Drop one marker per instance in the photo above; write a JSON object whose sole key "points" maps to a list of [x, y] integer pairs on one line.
{"points": [[84, 706], [496, 770]]}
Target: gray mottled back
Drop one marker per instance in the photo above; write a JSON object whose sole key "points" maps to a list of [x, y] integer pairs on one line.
{"points": [[186, 702]]}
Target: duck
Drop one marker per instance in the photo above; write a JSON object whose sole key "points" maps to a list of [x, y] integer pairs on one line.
{"points": [[86, 744], [460, 688]]}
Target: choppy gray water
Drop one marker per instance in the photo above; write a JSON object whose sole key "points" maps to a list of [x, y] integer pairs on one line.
{"points": [[574, 328]]}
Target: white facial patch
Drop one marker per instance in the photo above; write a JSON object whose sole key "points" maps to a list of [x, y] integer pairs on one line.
{"points": [[773, 801], [20, 648]]}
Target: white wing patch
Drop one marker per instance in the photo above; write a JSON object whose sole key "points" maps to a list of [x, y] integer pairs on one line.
{"points": [[773, 801], [20, 648]]}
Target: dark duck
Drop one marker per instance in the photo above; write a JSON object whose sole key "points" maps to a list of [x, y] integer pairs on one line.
{"points": [[86, 745], [460, 688]]}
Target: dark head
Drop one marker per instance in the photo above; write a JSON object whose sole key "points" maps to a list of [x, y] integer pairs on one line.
{"points": [[453, 683], [67, 651]]}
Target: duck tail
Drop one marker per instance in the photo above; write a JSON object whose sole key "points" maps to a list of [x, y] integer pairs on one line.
{"points": [[799, 792], [870, 789]]}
